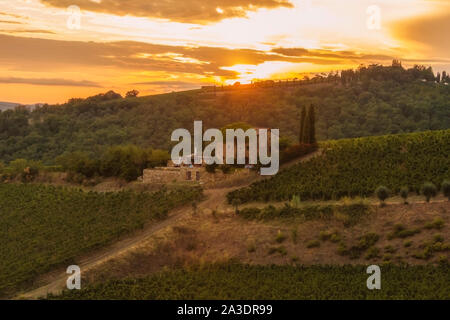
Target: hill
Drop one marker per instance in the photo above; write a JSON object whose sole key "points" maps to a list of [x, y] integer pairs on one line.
{"points": [[7, 105], [356, 167], [380, 100]]}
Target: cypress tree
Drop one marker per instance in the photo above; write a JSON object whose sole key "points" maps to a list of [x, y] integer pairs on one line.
{"points": [[302, 124], [306, 130], [312, 125]]}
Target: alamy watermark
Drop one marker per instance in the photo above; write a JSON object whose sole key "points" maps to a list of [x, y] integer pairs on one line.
{"points": [[74, 281], [261, 142], [374, 19], [374, 281], [74, 19]]}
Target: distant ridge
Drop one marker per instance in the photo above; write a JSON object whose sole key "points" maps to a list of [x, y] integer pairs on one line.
{"points": [[11, 105], [8, 105]]}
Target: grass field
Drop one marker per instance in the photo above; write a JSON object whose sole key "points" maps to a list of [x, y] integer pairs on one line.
{"points": [[45, 226], [237, 281]]}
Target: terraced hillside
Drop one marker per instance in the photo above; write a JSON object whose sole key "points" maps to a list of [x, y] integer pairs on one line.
{"points": [[45, 226], [356, 167]]}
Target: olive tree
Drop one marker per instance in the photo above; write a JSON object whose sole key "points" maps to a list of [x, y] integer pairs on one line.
{"points": [[429, 190], [446, 188], [382, 193], [404, 192]]}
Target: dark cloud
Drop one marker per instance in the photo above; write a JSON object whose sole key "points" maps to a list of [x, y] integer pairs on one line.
{"points": [[49, 82], [188, 11]]}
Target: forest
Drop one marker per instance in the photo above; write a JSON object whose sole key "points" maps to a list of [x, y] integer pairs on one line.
{"points": [[369, 101]]}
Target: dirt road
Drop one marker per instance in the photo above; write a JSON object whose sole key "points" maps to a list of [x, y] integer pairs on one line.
{"points": [[55, 281]]}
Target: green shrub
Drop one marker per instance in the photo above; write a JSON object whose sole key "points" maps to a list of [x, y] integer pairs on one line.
{"points": [[368, 240], [313, 244], [280, 237], [431, 247], [400, 231], [438, 238], [325, 235], [424, 254], [382, 194], [390, 249], [373, 253], [429, 190], [387, 257], [335, 238], [364, 242], [295, 202], [437, 223], [280, 249], [446, 188], [329, 235], [407, 243], [404, 192]]}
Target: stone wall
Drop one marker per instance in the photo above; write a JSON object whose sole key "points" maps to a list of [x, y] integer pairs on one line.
{"points": [[186, 174], [161, 175]]}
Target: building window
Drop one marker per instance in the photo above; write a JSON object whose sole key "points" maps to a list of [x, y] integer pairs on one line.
{"points": [[197, 176], [189, 175]]}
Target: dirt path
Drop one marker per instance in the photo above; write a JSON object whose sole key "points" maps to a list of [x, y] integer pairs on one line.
{"points": [[55, 281]]}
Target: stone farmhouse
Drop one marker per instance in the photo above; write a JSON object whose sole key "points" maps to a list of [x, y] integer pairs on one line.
{"points": [[195, 173]]}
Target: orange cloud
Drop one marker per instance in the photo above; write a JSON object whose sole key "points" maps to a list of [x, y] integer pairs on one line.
{"points": [[334, 55], [428, 34], [46, 55], [49, 82], [187, 11]]}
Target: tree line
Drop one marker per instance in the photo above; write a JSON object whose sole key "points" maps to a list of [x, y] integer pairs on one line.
{"points": [[126, 162], [384, 104]]}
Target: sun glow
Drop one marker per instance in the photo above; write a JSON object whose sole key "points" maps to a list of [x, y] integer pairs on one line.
{"points": [[327, 35]]}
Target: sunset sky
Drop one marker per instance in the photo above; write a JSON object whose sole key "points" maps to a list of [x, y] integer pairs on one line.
{"points": [[171, 45]]}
